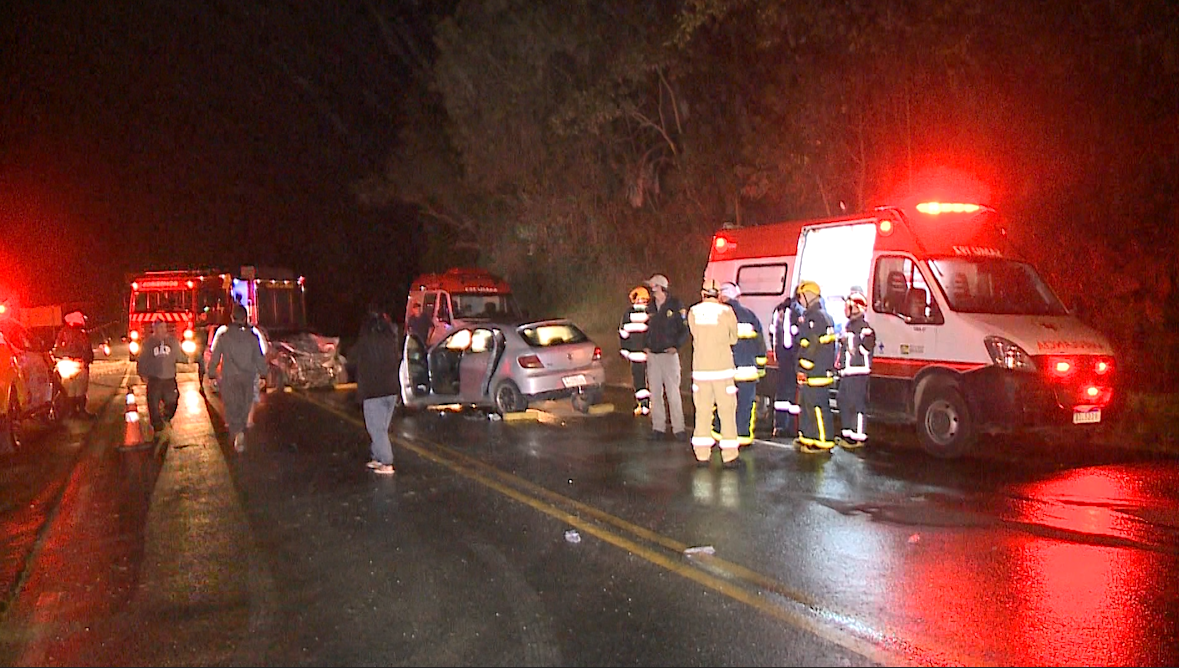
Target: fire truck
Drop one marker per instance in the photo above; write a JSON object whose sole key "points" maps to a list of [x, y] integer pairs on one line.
{"points": [[458, 296], [274, 298], [970, 338]]}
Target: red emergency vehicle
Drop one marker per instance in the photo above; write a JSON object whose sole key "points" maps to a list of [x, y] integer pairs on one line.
{"points": [[458, 296], [274, 298], [969, 337]]}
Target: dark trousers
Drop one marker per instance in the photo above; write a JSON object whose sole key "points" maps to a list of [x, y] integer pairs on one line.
{"points": [[163, 396], [638, 376], [786, 392], [237, 394], [853, 406], [816, 424], [746, 415]]}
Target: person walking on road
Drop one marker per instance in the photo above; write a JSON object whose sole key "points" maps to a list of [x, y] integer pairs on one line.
{"points": [[667, 332], [377, 354], [238, 360], [73, 341], [157, 365], [714, 333]]}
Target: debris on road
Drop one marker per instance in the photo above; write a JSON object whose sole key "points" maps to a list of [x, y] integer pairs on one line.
{"points": [[700, 549], [572, 536]]}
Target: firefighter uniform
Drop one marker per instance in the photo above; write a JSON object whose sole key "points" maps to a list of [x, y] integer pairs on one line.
{"points": [[856, 344], [632, 337], [784, 343], [816, 372], [714, 333], [749, 356]]}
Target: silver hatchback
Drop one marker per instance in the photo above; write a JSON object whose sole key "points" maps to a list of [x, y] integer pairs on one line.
{"points": [[504, 366]]}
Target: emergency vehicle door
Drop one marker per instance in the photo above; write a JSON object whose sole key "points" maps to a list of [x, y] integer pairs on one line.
{"points": [[906, 317], [30, 363], [475, 365], [443, 323], [414, 372]]}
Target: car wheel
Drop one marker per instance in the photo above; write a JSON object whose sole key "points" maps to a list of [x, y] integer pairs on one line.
{"points": [[944, 425], [59, 406], [10, 425], [509, 399]]}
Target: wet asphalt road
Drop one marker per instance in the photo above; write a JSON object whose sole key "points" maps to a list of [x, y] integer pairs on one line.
{"points": [[292, 553]]}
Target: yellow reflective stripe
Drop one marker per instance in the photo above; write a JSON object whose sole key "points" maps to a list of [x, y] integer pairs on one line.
{"points": [[828, 338], [761, 361], [805, 343], [819, 382], [806, 364], [745, 330]]}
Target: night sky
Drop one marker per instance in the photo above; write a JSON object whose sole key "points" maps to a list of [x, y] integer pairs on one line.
{"points": [[159, 134]]}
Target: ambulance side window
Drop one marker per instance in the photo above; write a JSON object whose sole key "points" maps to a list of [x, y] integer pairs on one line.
{"points": [[444, 308], [900, 289], [429, 301]]}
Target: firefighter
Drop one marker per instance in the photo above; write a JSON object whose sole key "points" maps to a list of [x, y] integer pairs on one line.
{"points": [[632, 335], [749, 356], [714, 333], [816, 372], [73, 342], [784, 342], [856, 344]]}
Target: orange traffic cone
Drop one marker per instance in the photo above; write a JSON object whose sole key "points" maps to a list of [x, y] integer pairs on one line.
{"points": [[132, 429]]}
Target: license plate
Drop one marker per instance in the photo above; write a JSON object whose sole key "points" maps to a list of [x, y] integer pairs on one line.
{"points": [[574, 381], [1087, 417]]}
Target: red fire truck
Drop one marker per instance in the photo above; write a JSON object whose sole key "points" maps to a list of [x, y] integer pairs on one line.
{"points": [[274, 298]]}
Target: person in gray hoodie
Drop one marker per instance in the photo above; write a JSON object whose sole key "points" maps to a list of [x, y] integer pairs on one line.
{"points": [[157, 365], [238, 360]]}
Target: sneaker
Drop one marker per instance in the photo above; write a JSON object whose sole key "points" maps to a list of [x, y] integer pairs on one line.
{"points": [[384, 469], [374, 464], [239, 443]]}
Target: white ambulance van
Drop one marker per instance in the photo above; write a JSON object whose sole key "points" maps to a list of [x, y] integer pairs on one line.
{"points": [[970, 339]]}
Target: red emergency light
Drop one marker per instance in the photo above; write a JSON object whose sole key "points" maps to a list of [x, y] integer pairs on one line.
{"points": [[935, 208], [723, 244]]}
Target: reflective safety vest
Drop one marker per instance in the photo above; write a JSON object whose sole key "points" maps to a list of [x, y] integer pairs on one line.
{"points": [[816, 351], [632, 333], [856, 344]]}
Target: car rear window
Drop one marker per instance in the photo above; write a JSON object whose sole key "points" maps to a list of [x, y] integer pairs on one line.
{"points": [[543, 336]]}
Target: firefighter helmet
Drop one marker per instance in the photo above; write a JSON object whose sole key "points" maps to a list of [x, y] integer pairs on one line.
{"points": [[710, 288], [809, 286], [75, 319], [640, 295]]}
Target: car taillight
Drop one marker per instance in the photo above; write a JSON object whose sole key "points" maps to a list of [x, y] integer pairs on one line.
{"points": [[529, 362], [597, 353]]}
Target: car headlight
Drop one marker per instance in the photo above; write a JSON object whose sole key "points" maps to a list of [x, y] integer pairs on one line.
{"points": [[1007, 355], [133, 347]]}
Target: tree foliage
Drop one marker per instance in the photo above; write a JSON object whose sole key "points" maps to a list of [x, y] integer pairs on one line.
{"points": [[581, 142]]}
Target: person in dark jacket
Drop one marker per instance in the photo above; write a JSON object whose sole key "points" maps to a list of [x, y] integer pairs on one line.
{"points": [[667, 332], [157, 364], [237, 358], [816, 372], [73, 341], [632, 336], [854, 354], [377, 354], [784, 342]]}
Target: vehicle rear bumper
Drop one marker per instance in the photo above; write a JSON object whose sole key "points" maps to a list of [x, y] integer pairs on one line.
{"points": [[550, 385]]}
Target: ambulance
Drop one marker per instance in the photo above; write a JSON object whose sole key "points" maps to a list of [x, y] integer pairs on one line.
{"points": [[459, 296], [970, 338]]}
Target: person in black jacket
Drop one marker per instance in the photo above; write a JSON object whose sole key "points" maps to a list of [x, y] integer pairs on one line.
{"points": [[73, 341], [377, 355], [667, 332]]}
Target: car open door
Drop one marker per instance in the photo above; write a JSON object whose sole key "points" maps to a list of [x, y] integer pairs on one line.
{"points": [[474, 368], [414, 372]]}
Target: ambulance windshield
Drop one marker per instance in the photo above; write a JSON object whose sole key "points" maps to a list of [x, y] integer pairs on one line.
{"points": [[995, 286], [481, 305]]}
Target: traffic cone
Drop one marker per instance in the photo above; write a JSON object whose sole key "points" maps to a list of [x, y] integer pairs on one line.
{"points": [[132, 427]]}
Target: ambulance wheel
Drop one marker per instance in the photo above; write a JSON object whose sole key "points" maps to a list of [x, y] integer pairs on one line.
{"points": [[509, 399], [944, 424]]}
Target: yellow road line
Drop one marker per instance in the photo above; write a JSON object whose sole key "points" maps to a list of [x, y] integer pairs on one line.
{"points": [[885, 647]]}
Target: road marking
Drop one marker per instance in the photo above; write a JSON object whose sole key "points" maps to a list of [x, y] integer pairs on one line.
{"points": [[884, 646]]}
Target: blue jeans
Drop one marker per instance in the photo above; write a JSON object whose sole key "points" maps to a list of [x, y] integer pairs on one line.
{"points": [[378, 413]]}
